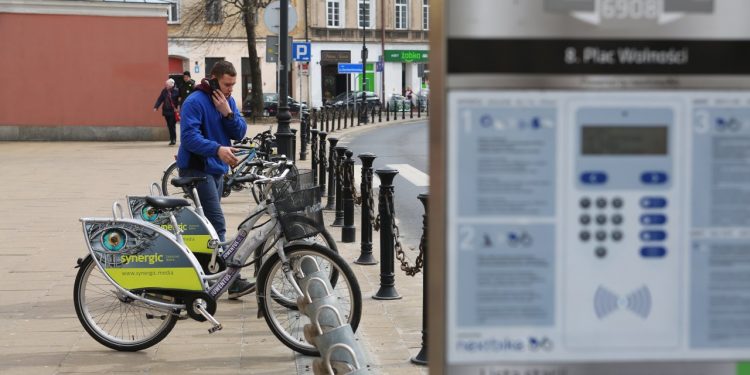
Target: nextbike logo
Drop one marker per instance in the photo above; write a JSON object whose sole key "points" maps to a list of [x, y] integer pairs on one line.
{"points": [[491, 345], [150, 259], [533, 344]]}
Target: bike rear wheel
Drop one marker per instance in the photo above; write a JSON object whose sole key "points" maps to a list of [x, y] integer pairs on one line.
{"points": [[287, 324], [114, 320], [166, 181]]}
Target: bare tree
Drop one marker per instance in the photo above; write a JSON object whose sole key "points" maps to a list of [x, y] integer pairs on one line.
{"points": [[207, 21]]}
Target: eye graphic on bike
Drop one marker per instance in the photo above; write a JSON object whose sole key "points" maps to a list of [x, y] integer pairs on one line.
{"points": [[149, 214], [114, 239]]}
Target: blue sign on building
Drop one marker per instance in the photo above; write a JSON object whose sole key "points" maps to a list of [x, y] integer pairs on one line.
{"points": [[301, 51], [345, 68]]}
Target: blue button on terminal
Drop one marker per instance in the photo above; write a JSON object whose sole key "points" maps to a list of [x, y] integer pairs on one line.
{"points": [[653, 219], [653, 252], [654, 177], [653, 202], [653, 235], [593, 178]]}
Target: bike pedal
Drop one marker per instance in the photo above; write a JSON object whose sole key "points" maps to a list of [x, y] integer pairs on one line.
{"points": [[152, 316], [215, 328]]}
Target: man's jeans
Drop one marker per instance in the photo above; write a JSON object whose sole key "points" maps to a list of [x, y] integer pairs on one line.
{"points": [[209, 193]]}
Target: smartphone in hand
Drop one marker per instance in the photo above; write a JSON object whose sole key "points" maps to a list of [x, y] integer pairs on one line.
{"points": [[214, 83]]}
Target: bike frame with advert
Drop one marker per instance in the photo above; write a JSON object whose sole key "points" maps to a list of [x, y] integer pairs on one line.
{"points": [[129, 254]]}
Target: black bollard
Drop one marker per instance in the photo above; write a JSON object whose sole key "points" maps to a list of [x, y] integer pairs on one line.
{"points": [[380, 113], [365, 190], [419, 108], [326, 118], [421, 358], [315, 118], [387, 247], [308, 126], [346, 118], [403, 111], [339, 118], [373, 115], [411, 110], [348, 231], [322, 162], [314, 155], [387, 112], [294, 145], [303, 125], [340, 157], [330, 203]]}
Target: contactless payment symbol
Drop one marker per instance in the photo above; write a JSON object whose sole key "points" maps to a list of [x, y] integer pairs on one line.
{"points": [[114, 239], [607, 302]]}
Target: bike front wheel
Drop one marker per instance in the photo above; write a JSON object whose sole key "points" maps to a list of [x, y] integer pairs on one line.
{"points": [[287, 324], [114, 320]]}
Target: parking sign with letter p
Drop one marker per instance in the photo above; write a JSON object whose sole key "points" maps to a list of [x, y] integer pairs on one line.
{"points": [[301, 51]]}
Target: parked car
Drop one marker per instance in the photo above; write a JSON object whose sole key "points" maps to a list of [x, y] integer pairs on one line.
{"points": [[341, 101], [271, 105], [399, 102], [340, 98]]}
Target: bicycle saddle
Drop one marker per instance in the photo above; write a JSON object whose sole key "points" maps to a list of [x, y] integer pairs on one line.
{"points": [[166, 203], [187, 181]]}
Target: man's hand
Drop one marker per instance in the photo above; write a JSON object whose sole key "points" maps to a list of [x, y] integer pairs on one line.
{"points": [[221, 103], [226, 154]]}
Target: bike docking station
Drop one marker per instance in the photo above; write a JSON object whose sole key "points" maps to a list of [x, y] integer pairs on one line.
{"points": [[589, 170]]}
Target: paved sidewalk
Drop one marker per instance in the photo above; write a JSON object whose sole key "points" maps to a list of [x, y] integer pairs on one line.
{"points": [[47, 187]]}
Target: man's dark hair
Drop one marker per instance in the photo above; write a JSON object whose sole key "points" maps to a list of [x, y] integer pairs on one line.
{"points": [[223, 67], [186, 73]]}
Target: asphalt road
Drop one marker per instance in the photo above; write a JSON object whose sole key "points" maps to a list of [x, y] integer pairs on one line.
{"points": [[402, 147]]}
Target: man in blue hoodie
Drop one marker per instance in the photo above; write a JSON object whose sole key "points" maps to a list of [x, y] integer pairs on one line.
{"points": [[210, 119]]}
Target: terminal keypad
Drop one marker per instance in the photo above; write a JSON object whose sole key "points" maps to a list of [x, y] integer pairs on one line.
{"points": [[601, 220]]}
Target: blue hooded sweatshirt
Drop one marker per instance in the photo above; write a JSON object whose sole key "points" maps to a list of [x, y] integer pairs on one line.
{"points": [[203, 130]]}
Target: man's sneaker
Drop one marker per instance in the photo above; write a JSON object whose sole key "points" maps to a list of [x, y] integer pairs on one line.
{"points": [[240, 287]]}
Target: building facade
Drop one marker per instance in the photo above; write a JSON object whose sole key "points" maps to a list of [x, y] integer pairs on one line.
{"points": [[396, 39], [103, 63], [202, 32]]}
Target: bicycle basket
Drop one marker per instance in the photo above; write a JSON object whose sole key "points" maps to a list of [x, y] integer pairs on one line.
{"points": [[295, 180], [300, 214]]}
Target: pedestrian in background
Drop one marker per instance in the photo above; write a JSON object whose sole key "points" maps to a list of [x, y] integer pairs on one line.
{"points": [[409, 94], [187, 87], [168, 101]]}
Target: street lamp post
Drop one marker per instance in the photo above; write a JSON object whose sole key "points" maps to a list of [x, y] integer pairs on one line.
{"points": [[363, 112], [283, 131]]}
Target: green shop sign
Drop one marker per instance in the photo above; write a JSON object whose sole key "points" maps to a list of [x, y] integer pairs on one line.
{"points": [[408, 56]]}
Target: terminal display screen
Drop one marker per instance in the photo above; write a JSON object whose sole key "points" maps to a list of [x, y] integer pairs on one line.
{"points": [[624, 140]]}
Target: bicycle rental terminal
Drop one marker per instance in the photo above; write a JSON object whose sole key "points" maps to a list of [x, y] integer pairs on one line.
{"points": [[592, 187]]}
